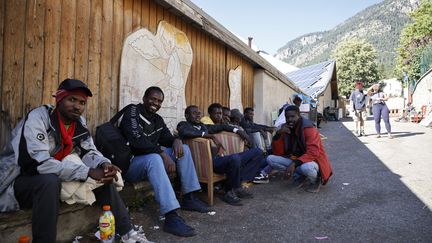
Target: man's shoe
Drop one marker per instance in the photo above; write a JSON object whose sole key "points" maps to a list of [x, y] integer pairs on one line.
{"points": [[362, 133], [297, 182], [194, 204], [231, 198], [261, 179], [176, 225], [314, 187], [134, 237], [242, 192]]}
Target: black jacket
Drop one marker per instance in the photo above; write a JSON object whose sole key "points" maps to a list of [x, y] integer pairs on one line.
{"points": [[145, 132], [189, 130], [251, 127]]}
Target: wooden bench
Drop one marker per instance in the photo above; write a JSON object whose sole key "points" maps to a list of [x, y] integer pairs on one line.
{"points": [[73, 219], [202, 156]]}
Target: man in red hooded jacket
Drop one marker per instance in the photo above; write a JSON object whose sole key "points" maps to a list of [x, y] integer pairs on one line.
{"points": [[298, 150]]}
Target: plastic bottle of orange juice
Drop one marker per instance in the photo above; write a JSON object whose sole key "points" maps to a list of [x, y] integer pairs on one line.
{"points": [[107, 225]]}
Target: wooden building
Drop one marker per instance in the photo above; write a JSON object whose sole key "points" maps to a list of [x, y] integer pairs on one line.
{"points": [[42, 42]]}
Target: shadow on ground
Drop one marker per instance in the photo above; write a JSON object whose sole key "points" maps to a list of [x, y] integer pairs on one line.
{"points": [[363, 202]]}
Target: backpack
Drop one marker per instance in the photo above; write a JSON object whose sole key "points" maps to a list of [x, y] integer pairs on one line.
{"points": [[111, 142]]}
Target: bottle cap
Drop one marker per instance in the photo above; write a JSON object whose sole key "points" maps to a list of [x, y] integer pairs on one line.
{"points": [[24, 239], [106, 207]]}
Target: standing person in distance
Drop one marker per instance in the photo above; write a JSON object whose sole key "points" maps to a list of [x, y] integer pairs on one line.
{"points": [[358, 108], [379, 109]]}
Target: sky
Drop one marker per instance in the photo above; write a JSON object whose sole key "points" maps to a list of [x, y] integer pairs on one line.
{"points": [[272, 23]]}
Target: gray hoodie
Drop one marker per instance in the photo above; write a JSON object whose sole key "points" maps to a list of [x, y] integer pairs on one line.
{"points": [[34, 142]]}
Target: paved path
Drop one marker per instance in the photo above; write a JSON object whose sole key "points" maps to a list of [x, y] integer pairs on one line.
{"points": [[381, 191]]}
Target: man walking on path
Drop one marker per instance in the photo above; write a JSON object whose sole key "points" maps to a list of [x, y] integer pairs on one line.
{"points": [[358, 108]]}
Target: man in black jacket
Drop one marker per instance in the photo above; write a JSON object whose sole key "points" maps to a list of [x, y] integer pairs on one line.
{"points": [[236, 167], [258, 132], [147, 132]]}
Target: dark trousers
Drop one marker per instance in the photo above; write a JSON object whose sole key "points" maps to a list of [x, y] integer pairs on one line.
{"points": [[230, 166], [381, 110], [252, 161], [41, 193], [239, 167]]}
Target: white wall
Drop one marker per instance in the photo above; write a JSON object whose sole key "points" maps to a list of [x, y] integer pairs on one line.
{"points": [[423, 93], [325, 99], [269, 95]]}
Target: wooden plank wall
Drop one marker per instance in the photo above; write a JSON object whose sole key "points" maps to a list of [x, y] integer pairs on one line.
{"points": [[42, 42]]}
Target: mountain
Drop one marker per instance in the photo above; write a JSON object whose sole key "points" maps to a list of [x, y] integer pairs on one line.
{"points": [[380, 24]]}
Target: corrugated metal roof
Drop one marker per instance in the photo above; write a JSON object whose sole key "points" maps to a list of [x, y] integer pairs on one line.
{"points": [[313, 79]]}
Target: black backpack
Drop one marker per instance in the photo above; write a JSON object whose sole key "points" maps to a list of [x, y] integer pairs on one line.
{"points": [[111, 142]]}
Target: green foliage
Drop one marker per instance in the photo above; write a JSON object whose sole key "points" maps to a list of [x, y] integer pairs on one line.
{"points": [[415, 37], [355, 60], [379, 24]]}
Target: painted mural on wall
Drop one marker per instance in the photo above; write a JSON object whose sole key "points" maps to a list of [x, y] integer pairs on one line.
{"points": [[162, 60], [234, 81]]}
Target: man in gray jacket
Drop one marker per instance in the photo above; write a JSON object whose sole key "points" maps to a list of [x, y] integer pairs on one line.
{"points": [[36, 158]]}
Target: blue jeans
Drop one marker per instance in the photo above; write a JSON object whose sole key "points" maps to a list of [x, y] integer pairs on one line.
{"points": [[378, 111], [151, 167], [308, 169]]}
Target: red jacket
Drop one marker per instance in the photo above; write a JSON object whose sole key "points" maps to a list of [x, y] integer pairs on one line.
{"points": [[309, 142]]}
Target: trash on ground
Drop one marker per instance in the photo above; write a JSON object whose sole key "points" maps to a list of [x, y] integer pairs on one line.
{"points": [[161, 218], [345, 184], [156, 227], [97, 234], [321, 237], [211, 213], [77, 239]]}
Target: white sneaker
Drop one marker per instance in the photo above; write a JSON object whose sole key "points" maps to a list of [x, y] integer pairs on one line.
{"points": [[135, 237]]}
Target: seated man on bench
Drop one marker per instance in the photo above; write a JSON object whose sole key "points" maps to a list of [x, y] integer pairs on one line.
{"points": [[40, 145], [147, 132], [237, 167]]}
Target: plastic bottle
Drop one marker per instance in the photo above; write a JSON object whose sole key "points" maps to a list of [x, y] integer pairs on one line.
{"points": [[24, 239], [107, 225]]}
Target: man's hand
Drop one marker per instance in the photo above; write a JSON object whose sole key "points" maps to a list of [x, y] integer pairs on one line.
{"points": [[110, 172], [245, 137], [105, 174], [96, 174], [270, 129], [289, 171], [284, 129], [170, 165], [263, 133], [177, 148], [219, 146]]}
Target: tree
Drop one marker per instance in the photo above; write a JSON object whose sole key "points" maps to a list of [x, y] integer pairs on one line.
{"points": [[415, 37], [355, 61]]}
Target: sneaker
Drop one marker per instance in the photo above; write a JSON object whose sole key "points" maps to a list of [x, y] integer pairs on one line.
{"points": [[242, 192], [362, 133], [390, 136], [134, 237], [176, 225], [313, 187], [378, 136], [261, 179], [231, 198], [297, 182], [194, 204]]}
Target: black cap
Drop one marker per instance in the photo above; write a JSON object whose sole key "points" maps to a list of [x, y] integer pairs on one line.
{"points": [[72, 84]]}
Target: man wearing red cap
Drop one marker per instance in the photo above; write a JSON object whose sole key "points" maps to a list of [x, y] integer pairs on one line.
{"points": [[358, 108], [37, 154]]}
